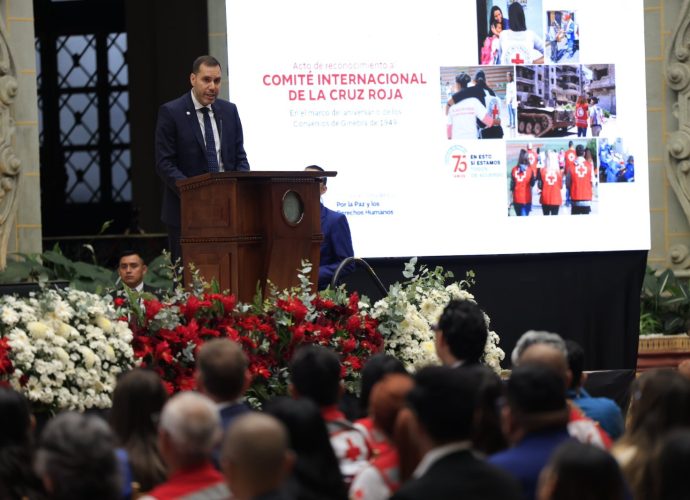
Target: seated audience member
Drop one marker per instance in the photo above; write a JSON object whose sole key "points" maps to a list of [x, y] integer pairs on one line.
{"points": [[442, 403], [660, 403], [535, 420], [337, 240], [222, 374], [188, 432], [670, 467], [17, 478], [549, 349], [375, 369], [132, 270], [137, 402], [487, 435], [315, 374], [76, 459], [316, 473], [461, 334], [256, 458], [602, 410], [581, 471], [381, 478]]}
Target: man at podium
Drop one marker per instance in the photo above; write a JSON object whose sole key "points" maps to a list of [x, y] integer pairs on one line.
{"points": [[195, 134], [337, 241]]}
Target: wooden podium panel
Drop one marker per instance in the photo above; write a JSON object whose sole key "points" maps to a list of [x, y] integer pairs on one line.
{"points": [[243, 228]]}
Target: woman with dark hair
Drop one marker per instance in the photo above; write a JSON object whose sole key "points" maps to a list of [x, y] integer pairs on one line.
{"points": [[578, 471], [521, 181], [316, 473], [496, 19], [137, 402], [17, 479], [512, 42], [660, 403]]}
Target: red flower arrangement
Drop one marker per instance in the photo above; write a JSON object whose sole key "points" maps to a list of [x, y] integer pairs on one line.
{"points": [[168, 335]]}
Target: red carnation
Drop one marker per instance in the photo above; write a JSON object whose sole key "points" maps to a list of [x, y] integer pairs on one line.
{"points": [[152, 307]]}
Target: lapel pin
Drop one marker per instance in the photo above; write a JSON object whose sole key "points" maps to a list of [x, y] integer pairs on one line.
{"points": [[188, 113]]}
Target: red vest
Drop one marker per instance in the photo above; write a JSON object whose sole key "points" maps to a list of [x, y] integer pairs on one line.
{"points": [[533, 161], [522, 193], [581, 181], [552, 180], [570, 159], [581, 115]]}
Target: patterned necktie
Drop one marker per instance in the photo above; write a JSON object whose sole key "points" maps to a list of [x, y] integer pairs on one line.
{"points": [[211, 154]]}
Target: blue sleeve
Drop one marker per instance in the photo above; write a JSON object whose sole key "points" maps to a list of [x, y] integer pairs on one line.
{"points": [[340, 241]]}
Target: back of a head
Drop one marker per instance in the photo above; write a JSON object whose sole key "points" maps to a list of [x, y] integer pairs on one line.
{"points": [[315, 374], [579, 150], [464, 329], [463, 79], [388, 398], [138, 399], [671, 466], [316, 168], [192, 422], [660, 403], [531, 337], [576, 362], [222, 366], [375, 368], [76, 453], [15, 419], [550, 356], [535, 389], [257, 447], [578, 471], [517, 17], [487, 436], [443, 400], [316, 469]]}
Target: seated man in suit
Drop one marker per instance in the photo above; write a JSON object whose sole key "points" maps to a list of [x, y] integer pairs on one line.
{"points": [[132, 270], [337, 241], [443, 409], [195, 134]]}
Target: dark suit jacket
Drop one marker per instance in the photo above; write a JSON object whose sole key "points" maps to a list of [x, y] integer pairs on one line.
{"points": [[461, 476], [180, 149], [336, 245]]}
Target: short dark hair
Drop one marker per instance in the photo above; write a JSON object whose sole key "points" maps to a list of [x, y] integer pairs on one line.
{"points": [[222, 365], [535, 388], [443, 399], [464, 330], [579, 150], [315, 374], [576, 361], [323, 180], [585, 471], [206, 60], [130, 251], [377, 367]]}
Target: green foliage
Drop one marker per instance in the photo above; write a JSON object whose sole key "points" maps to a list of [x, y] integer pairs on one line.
{"points": [[53, 265], [664, 303]]}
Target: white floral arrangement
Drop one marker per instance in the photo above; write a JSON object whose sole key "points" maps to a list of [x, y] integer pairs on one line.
{"points": [[407, 314], [66, 348]]}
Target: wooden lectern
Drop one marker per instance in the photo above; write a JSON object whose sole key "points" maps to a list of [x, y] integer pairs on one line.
{"points": [[243, 228]]}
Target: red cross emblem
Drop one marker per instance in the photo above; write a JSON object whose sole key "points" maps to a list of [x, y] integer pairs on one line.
{"points": [[517, 59], [353, 451], [520, 176], [581, 169], [551, 178]]}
